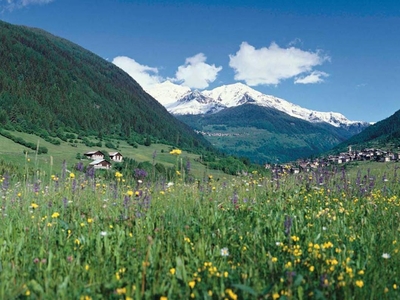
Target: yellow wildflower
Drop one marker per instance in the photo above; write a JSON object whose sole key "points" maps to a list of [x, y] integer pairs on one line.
{"points": [[359, 283], [175, 152], [121, 291]]}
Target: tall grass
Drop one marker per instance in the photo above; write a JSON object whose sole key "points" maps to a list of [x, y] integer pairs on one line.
{"points": [[320, 235]]}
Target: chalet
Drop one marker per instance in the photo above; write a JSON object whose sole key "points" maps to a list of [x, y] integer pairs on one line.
{"points": [[100, 164], [94, 155], [115, 156]]}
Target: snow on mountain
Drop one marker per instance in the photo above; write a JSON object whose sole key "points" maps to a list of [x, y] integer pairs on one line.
{"points": [[194, 103], [180, 100], [167, 92]]}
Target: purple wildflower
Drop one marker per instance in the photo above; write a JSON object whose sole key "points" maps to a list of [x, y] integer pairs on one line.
{"points": [[79, 166], [140, 173], [6, 182]]}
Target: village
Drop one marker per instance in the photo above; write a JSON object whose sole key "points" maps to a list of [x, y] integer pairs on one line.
{"points": [[307, 165]]}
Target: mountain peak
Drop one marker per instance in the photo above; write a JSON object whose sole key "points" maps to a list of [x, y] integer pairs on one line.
{"points": [[236, 94], [168, 92]]}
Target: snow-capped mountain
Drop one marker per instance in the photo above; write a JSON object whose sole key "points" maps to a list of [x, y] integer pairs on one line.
{"points": [[180, 100], [167, 92], [194, 103]]}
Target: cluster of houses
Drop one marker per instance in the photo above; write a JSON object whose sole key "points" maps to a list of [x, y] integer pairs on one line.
{"points": [[370, 154], [99, 161]]}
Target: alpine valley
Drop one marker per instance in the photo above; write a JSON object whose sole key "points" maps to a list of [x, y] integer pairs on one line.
{"points": [[244, 122]]}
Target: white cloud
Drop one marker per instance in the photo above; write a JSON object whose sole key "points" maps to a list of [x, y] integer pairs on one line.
{"points": [[271, 65], [195, 73], [15, 4], [314, 77], [146, 76]]}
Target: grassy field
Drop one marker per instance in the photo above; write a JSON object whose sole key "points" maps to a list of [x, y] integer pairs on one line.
{"points": [[57, 154], [319, 235]]}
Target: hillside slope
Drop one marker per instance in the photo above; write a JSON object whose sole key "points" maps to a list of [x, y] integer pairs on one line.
{"points": [[265, 134], [383, 134], [48, 83]]}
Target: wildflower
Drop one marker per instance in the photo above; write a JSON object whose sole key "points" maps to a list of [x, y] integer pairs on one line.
{"points": [[121, 291], [224, 252], [118, 175], [34, 205], [231, 294], [163, 298], [386, 255], [192, 284], [395, 286], [311, 268], [172, 271], [129, 193], [87, 267], [175, 152], [274, 259], [90, 220], [71, 175], [103, 233], [359, 283], [276, 296]]}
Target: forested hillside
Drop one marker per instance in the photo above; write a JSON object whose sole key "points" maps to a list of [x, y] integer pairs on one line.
{"points": [[385, 133], [50, 84], [265, 134]]}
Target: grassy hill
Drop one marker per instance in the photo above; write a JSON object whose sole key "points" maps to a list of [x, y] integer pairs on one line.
{"points": [[383, 134], [49, 85], [26, 160], [265, 134]]}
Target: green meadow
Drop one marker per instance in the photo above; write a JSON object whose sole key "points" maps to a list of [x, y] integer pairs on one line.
{"points": [[67, 152], [327, 234]]}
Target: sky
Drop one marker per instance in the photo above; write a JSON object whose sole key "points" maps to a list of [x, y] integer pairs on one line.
{"points": [[340, 56]]}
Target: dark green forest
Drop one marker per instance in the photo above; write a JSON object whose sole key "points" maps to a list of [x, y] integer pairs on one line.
{"points": [[276, 136], [383, 134], [49, 85]]}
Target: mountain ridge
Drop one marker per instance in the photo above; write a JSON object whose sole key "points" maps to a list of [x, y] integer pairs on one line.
{"points": [[238, 94]]}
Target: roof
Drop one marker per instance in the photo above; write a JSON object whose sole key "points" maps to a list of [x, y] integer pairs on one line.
{"points": [[93, 152], [97, 161], [114, 153]]}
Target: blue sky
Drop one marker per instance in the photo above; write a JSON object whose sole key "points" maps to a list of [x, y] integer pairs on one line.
{"points": [[340, 56]]}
